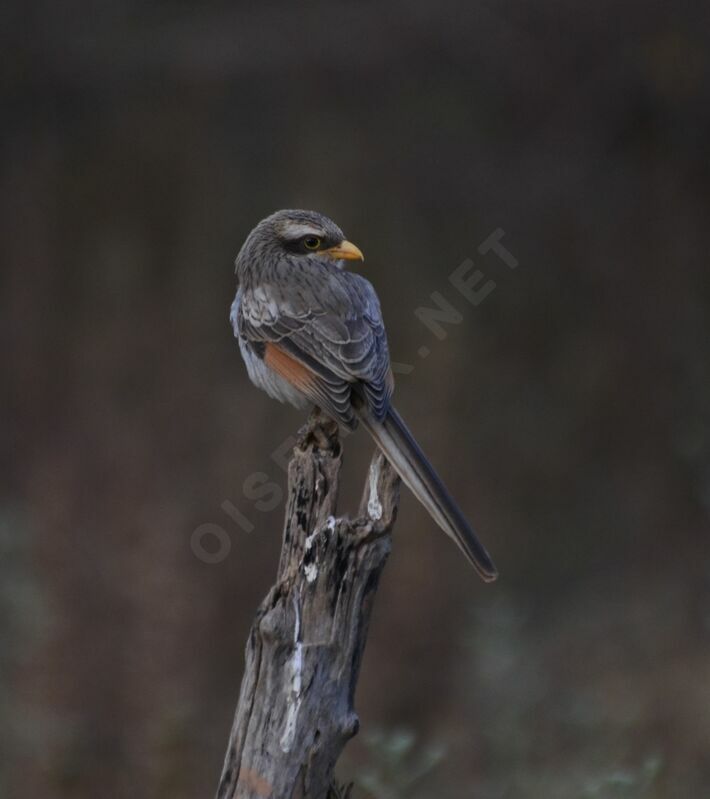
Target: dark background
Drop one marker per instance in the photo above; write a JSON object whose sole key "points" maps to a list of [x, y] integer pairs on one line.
{"points": [[569, 411]]}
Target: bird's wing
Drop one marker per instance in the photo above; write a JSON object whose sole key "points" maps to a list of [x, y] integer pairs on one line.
{"points": [[322, 331]]}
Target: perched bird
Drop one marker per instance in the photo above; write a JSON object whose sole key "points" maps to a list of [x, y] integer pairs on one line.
{"points": [[311, 333]]}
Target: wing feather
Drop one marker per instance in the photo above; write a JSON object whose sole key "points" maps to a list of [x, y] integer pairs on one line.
{"points": [[329, 321]]}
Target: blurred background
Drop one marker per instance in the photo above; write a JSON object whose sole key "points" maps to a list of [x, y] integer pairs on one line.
{"points": [[569, 411]]}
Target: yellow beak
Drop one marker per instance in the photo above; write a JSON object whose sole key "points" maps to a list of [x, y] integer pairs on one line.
{"points": [[346, 250]]}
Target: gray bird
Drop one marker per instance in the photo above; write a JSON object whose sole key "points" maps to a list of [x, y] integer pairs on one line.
{"points": [[311, 333]]}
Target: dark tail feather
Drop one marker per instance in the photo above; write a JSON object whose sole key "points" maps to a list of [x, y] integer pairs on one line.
{"points": [[402, 451]]}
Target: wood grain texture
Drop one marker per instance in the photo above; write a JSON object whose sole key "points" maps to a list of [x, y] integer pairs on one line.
{"points": [[295, 711]]}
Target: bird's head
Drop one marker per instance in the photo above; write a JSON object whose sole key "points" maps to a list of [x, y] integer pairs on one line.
{"points": [[296, 235]]}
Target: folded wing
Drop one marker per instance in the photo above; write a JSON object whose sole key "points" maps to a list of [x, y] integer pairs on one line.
{"points": [[326, 337]]}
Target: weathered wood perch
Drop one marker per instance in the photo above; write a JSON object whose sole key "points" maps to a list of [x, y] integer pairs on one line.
{"points": [[295, 711]]}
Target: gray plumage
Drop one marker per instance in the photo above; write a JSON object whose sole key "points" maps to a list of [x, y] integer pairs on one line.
{"points": [[321, 314], [297, 305]]}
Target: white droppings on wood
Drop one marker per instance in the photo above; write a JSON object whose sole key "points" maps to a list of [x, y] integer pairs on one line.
{"points": [[294, 698], [311, 569], [374, 506]]}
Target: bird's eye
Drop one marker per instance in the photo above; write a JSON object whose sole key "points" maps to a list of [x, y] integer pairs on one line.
{"points": [[311, 242]]}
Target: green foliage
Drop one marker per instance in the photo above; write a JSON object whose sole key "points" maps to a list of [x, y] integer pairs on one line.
{"points": [[398, 766], [627, 783], [340, 791]]}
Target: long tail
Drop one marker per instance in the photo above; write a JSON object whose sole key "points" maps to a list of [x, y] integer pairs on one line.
{"points": [[402, 451]]}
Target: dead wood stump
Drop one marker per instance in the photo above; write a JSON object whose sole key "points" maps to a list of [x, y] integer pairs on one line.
{"points": [[295, 711]]}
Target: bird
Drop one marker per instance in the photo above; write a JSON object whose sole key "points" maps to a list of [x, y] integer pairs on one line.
{"points": [[311, 332]]}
